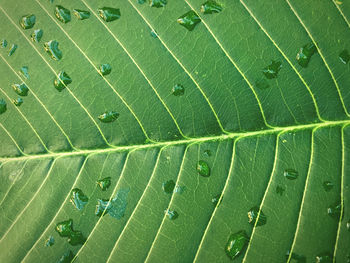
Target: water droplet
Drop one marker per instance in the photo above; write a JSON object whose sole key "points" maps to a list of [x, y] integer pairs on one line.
{"points": [[344, 56], [236, 243], [4, 43], [102, 205], [215, 200], [171, 214], [271, 71], [108, 116], [339, 2], [62, 14], [141, 1], [189, 20], [20, 89], [179, 189], [334, 211], [78, 198], [65, 229], [348, 225], [81, 14], [207, 153], [109, 14], [178, 90], [154, 34], [24, 71], [328, 185], [157, 3], [104, 183], [51, 48], [168, 186], [116, 207], [49, 241], [210, 7], [280, 190], [76, 238], [305, 53], [262, 84], [62, 81], [68, 256], [324, 258], [37, 35], [104, 69], [27, 21], [295, 258], [13, 49], [203, 169], [18, 102], [290, 174], [253, 215], [3, 106]]}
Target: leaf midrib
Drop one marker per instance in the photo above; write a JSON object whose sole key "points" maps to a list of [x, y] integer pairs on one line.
{"points": [[178, 142]]}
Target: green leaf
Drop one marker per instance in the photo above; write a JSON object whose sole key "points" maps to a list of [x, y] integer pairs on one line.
{"points": [[197, 129]]}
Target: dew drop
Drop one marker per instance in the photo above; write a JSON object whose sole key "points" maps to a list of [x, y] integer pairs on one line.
{"points": [[3, 106], [62, 14], [27, 21], [262, 84], [37, 35], [13, 49], [168, 186], [78, 198], [20, 89], [324, 258], [178, 90], [280, 190], [344, 56], [203, 169], [334, 211], [108, 116], [253, 215], [171, 214], [50, 241], [348, 225], [104, 183], [215, 200], [104, 69], [189, 20], [305, 53], [51, 48], [4, 43], [157, 3], [81, 14], [207, 153], [328, 185], [109, 14], [236, 244], [67, 257], [290, 174], [18, 102], [271, 71], [210, 7], [62, 80], [24, 71]]}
